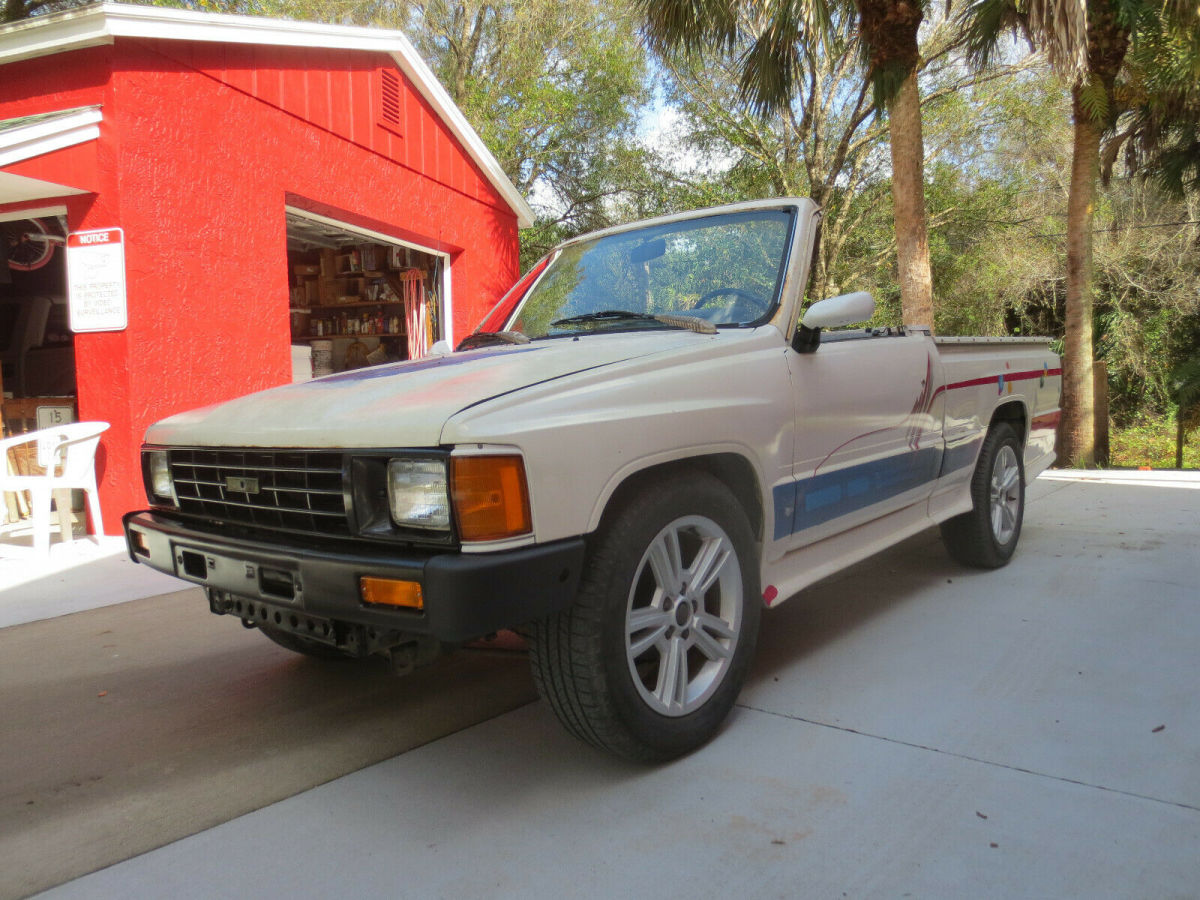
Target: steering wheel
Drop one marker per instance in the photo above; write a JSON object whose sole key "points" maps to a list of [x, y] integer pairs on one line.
{"points": [[744, 307]]}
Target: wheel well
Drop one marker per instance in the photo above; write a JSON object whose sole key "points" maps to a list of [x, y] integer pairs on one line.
{"points": [[1014, 414], [734, 471]]}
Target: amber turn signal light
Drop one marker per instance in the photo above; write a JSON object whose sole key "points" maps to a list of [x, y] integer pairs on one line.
{"points": [[491, 497], [388, 592]]}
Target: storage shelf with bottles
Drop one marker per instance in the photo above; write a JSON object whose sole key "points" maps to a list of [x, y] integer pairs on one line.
{"points": [[328, 337], [357, 291], [349, 320]]}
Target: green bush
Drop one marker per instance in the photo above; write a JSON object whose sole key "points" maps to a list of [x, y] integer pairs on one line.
{"points": [[1151, 442]]}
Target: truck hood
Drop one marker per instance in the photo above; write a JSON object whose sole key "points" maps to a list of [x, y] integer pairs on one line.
{"points": [[401, 404]]}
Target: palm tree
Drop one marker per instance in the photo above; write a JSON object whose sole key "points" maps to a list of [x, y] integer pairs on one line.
{"points": [[778, 36], [1087, 42]]}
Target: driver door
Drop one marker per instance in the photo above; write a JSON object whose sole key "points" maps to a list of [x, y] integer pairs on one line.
{"points": [[868, 434]]}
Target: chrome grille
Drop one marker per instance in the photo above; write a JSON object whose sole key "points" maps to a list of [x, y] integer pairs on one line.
{"points": [[288, 490]]}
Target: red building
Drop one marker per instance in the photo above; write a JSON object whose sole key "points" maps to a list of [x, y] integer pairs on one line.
{"points": [[274, 183]]}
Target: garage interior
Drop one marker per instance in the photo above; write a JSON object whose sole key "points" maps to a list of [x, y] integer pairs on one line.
{"points": [[38, 354], [359, 298]]}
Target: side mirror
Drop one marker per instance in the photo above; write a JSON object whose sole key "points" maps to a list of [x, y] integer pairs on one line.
{"points": [[845, 309], [440, 348]]}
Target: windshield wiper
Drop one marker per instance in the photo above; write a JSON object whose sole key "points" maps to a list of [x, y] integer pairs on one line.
{"points": [[601, 316], [691, 323]]}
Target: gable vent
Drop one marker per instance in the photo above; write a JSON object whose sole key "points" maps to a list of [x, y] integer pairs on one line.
{"points": [[389, 115]]}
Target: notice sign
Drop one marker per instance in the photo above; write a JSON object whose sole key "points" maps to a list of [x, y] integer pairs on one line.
{"points": [[96, 280]]}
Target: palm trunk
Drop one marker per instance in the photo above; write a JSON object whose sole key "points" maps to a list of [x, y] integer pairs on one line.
{"points": [[908, 199], [1076, 435]]}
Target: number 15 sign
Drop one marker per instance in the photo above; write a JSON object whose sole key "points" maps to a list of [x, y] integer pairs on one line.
{"points": [[96, 280]]}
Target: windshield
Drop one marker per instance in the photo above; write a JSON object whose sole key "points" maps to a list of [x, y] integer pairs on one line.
{"points": [[724, 270]]}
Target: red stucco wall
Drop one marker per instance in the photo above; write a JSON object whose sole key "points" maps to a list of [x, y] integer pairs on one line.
{"points": [[200, 149]]}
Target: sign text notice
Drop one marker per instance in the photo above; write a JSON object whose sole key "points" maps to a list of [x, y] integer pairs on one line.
{"points": [[96, 280]]}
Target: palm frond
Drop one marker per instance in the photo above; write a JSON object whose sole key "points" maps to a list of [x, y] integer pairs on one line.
{"points": [[776, 35], [671, 26], [1060, 31], [1093, 98], [1058, 28], [985, 22], [774, 60], [1159, 100]]}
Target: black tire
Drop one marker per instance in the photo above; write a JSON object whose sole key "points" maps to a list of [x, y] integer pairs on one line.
{"points": [[986, 537], [298, 644], [604, 665]]}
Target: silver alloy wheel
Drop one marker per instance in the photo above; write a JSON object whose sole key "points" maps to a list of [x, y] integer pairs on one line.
{"points": [[1005, 494], [684, 615]]}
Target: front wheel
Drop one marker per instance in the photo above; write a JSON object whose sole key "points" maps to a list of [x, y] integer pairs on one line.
{"points": [[986, 537], [650, 659]]}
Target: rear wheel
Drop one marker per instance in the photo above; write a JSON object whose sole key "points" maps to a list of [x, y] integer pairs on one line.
{"points": [[986, 537], [650, 659]]}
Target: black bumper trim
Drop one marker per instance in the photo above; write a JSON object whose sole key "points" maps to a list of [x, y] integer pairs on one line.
{"points": [[466, 595]]}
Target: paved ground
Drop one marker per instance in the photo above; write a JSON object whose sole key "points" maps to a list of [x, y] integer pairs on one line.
{"points": [[138, 724], [910, 728], [78, 575]]}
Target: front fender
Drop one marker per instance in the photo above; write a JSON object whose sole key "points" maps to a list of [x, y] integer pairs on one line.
{"points": [[583, 436]]}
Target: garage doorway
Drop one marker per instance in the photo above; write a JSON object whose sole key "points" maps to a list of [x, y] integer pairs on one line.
{"points": [[37, 347], [360, 298]]}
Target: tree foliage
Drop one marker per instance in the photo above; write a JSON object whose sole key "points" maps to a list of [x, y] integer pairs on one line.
{"points": [[776, 44], [552, 87], [556, 89], [1087, 42], [1157, 119]]}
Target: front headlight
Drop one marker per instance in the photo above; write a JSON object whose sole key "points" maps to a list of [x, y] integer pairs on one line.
{"points": [[418, 495], [158, 477]]}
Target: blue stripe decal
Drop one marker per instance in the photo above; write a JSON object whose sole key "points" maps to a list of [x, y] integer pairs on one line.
{"points": [[416, 365], [785, 508], [814, 501], [961, 456]]}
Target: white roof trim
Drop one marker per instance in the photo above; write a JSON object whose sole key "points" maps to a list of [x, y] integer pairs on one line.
{"points": [[32, 140], [101, 24]]}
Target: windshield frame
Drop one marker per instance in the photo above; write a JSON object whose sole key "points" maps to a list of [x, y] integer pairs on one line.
{"points": [[681, 222]]}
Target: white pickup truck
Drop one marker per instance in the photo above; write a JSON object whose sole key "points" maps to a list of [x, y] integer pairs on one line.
{"points": [[639, 451]]}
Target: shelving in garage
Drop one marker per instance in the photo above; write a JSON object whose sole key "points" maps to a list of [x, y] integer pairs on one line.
{"points": [[375, 299]]}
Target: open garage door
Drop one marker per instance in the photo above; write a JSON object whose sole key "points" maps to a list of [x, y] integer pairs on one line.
{"points": [[359, 297], [36, 344]]}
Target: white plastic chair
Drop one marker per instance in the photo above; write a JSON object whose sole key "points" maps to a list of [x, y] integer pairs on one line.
{"points": [[68, 454]]}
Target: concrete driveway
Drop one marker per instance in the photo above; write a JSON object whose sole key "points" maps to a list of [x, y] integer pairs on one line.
{"points": [[911, 728]]}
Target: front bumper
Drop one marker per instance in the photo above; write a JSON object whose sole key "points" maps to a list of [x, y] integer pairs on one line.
{"points": [[465, 595]]}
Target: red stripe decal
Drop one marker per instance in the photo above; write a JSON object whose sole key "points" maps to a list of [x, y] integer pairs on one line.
{"points": [[1008, 376]]}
